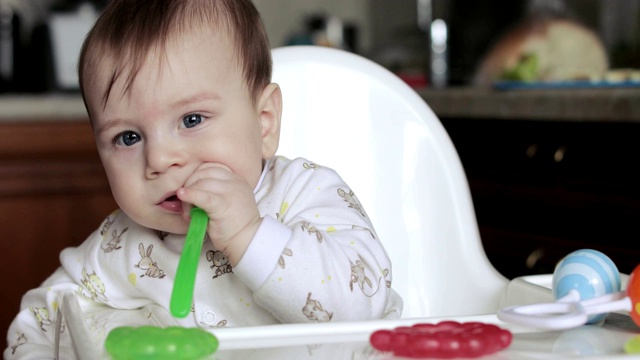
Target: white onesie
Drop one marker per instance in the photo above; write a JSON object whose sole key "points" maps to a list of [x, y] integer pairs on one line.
{"points": [[315, 258]]}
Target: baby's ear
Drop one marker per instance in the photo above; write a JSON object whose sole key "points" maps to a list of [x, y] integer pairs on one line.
{"points": [[270, 112]]}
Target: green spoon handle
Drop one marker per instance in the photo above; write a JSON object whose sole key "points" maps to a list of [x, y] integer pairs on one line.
{"points": [[182, 295]]}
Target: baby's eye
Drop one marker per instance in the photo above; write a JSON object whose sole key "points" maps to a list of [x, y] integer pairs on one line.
{"points": [[192, 120], [127, 138]]}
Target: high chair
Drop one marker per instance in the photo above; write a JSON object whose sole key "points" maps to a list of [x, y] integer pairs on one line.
{"points": [[351, 114], [346, 112]]}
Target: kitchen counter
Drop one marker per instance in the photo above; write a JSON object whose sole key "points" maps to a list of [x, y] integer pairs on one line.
{"points": [[41, 107], [613, 104], [601, 105]]}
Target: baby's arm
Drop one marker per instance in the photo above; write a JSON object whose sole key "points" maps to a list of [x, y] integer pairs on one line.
{"points": [[316, 257]]}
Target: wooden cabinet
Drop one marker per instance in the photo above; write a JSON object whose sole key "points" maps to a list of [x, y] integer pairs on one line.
{"points": [[53, 194], [542, 189]]}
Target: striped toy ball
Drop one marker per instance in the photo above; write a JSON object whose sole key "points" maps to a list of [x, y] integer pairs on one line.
{"points": [[588, 271]]}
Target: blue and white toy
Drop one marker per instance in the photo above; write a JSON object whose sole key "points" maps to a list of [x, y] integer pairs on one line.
{"points": [[589, 272], [586, 285]]}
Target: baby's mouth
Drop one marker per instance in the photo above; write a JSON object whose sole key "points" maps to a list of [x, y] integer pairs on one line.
{"points": [[172, 204]]}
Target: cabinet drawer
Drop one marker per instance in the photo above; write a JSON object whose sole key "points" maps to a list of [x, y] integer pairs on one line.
{"points": [[552, 186]]}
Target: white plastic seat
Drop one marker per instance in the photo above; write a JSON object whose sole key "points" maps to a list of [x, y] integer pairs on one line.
{"points": [[349, 113], [344, 111]]}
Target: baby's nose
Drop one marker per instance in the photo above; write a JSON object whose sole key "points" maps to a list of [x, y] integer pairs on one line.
{"points": [[162, 156]]}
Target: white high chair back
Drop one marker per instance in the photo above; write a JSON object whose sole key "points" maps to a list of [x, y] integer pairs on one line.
{"points": [[349, 113]]}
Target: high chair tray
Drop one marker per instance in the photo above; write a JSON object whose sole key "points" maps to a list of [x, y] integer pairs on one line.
{"points": [[348, 340]]}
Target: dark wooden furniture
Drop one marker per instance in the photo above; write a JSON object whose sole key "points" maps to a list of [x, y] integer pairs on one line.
{"points": [[542, 189], [53, 194]]}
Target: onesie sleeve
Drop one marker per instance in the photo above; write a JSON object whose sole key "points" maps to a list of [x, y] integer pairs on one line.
{"points": [[331, 265], [31, 335], [264, 251]]}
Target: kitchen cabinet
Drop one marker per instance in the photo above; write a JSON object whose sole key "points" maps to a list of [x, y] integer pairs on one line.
{"points": [[546, 185], [53, 194]]}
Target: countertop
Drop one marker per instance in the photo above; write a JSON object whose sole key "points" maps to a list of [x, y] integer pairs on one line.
{"points": [[608, 104], [605, 104], [41, 107]]}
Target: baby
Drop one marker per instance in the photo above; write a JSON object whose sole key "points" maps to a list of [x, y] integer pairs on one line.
{"points": [[184, 113]]}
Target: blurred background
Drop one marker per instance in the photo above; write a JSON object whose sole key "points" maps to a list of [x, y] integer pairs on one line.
{"points": [[540, 97], [428, 42], [446, 39]]}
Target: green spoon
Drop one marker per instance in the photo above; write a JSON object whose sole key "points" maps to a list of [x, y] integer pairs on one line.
{"points": [[182, 295]]}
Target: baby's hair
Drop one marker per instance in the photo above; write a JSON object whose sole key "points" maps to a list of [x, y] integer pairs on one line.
{"points": [[128, 30]]}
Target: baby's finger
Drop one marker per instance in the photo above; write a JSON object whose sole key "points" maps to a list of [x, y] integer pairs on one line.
{"points": [[196, 197], [208, 165], [209, 171]]}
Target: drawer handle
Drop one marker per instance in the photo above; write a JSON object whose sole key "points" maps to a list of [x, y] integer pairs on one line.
{"points": [[533, 258], [558, 156], [532, 150]]}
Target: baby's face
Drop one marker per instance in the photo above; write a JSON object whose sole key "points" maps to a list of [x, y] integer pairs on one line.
{"points": [[186, 107]]}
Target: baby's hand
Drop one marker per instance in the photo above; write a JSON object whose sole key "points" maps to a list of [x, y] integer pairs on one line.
{"points": [[230, 204]]}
